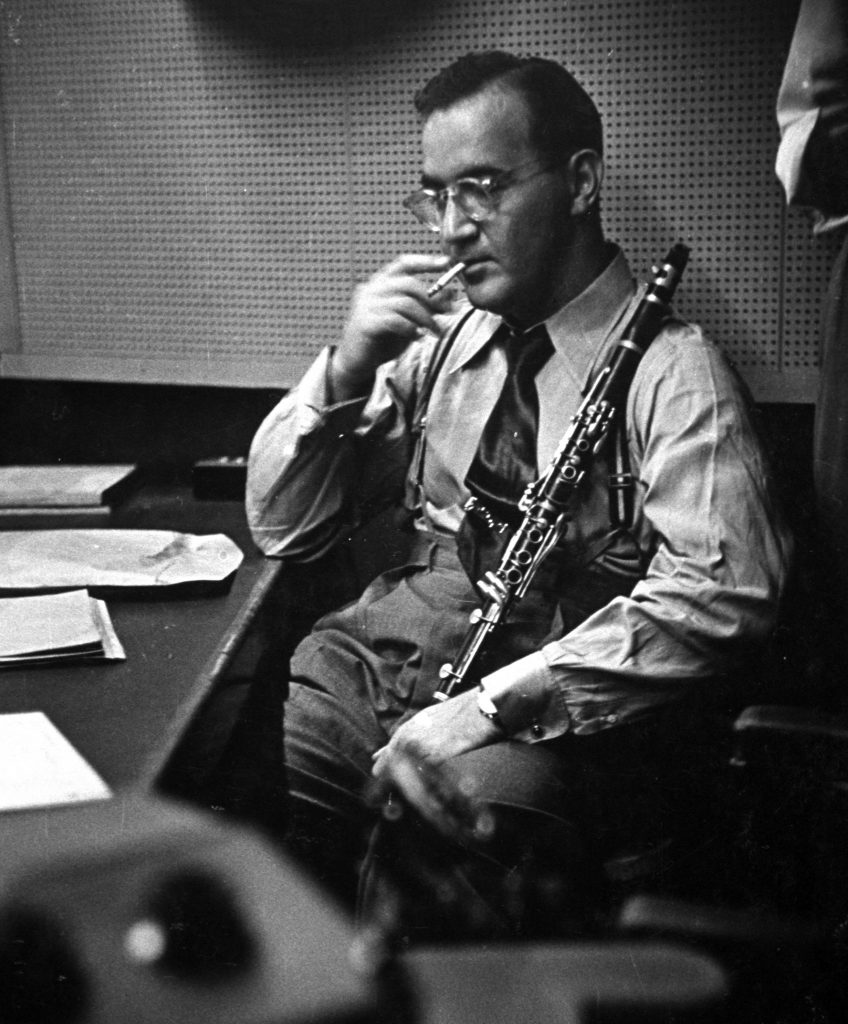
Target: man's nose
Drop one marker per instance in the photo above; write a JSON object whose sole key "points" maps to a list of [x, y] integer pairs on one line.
{"points": [[456, 224]]}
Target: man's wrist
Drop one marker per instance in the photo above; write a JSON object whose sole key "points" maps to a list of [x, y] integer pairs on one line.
{"points": [[342, 383], [525, 696]]}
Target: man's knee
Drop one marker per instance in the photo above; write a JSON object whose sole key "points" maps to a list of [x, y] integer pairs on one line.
{"points": [[528, 777], [526, 874]]}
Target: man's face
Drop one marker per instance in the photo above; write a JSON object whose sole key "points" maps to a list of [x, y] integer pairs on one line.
{"points": [[516, 258]]}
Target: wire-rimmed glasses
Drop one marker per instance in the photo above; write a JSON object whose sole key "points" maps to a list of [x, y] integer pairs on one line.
{"points": [[477, 198]]}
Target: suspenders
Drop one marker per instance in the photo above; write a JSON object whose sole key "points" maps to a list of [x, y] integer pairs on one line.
{"points": [[418, 425], [621, 483]]}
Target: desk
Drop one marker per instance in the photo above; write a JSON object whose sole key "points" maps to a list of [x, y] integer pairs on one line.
{"points": [[127, 718]]}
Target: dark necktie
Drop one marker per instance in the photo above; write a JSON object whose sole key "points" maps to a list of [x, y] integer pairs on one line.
{"points": [[505, 461]]}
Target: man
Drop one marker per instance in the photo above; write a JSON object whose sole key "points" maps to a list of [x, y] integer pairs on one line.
{"points": [[643, 618]]}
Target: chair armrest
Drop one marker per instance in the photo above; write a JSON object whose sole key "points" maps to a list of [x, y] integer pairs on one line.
{"points": [[721, 928], [792, 738]]}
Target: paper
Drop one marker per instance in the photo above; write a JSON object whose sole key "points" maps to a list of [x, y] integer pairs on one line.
{"points": [[53, 628], [57, 559], [56, 486], [40, 768]]}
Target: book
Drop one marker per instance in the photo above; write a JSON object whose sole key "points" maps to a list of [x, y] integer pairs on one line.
{"points": [[52, 629], [64, 486], [39, 767], [43, 517]]}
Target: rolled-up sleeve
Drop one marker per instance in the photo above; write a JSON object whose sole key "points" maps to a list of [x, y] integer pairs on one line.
{"points": [[314, 463], [720, 558]]}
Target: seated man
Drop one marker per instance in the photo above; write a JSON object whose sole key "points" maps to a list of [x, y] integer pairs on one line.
{"points": [[589, 717]]}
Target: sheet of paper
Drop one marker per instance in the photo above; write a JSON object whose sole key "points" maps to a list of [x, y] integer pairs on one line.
{"points": [[40, 768], [51, 559]]}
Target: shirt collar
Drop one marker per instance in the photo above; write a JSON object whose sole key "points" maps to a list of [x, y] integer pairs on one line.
{"points": [[580, 331]]}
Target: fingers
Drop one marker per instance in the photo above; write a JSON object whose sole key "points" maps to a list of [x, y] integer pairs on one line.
{"points": [[398, 294], [421, 739], [418, 264], [395, 311], [404, 281], [440, 794], [390, 310]]}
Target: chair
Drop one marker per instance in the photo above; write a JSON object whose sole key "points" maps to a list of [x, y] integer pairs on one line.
{"points": [[781, 927]]}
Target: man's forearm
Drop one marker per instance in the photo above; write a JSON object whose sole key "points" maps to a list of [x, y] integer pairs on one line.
{"points": [[299, 469], [344, 383]]}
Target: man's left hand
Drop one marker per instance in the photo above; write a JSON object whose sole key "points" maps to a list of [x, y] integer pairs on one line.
{"points": [[412, 762]]}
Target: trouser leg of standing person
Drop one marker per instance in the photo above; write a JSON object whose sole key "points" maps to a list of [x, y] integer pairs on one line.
{"points": [[831, 460]]}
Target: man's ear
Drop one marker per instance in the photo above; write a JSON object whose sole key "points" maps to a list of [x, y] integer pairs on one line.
{"points": [[585, 176]]}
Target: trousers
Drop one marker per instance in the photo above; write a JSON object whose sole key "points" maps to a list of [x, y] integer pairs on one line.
{"points": [[830, 465], [558, 807]]}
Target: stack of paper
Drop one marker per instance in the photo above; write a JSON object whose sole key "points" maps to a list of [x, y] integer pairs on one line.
{"points": [[61, 495], [52, 628]]}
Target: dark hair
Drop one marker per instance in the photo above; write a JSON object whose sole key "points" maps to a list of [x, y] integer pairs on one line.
{"points": [[564, 118]]}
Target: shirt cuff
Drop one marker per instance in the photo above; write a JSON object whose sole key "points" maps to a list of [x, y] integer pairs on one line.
{"points": [[529, 703], [315, 395]]}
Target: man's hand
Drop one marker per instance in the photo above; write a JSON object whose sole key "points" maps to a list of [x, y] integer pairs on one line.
{"points": [[413, 762], [387, 312]]}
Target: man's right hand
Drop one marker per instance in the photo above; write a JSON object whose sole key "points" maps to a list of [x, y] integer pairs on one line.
{"points": [[387, 312]]}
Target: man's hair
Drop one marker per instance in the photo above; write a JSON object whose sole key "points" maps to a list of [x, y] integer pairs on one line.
{"points": [[564, 117]]}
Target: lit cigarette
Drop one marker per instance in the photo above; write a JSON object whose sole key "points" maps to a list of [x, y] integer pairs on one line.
{"points": [[446, 278]]}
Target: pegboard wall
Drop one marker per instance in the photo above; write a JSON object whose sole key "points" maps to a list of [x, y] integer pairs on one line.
{"points": [[193, 193]]}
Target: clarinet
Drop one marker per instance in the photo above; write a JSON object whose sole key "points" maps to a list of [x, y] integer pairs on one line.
{"points": [[545, 501]]}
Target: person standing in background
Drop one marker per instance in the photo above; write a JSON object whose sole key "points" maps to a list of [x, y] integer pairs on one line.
{"points": [[812, 166]]}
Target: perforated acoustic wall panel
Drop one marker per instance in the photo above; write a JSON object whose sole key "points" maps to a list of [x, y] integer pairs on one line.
{"points": [[192, 197]]}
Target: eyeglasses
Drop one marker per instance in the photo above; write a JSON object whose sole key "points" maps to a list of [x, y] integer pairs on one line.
{"points": [[478, 198]]}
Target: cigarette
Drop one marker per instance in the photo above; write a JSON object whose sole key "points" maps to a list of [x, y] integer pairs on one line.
{"points": [[446, 278]]}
